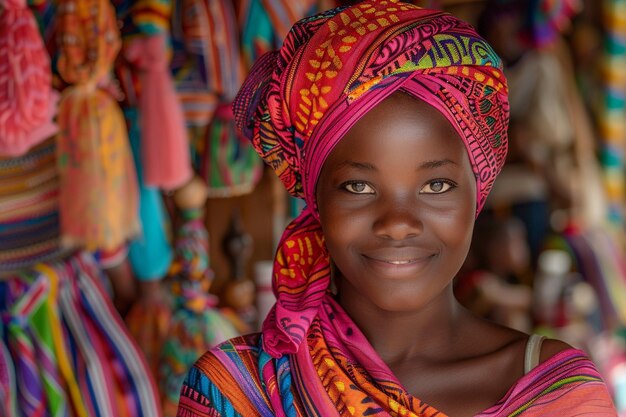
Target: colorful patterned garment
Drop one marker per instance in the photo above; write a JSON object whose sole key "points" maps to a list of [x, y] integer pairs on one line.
{"points": [[197, 324], [208, 69], [98, 197], [150, 253], [228, 381], [311, 359], [265, 23], [29, 208], [69, 351]]}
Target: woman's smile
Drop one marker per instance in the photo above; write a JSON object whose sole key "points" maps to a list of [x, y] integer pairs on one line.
{"points": [[398, 268], [399, 262]]}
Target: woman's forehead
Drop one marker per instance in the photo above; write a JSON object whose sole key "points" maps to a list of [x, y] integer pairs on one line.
{"points": [[404, 129]]}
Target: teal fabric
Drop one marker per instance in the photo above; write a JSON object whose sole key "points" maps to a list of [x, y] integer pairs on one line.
{"points": [[151, 253]]}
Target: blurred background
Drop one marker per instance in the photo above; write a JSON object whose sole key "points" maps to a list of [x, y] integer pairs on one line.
{"points": [[137, 228]]}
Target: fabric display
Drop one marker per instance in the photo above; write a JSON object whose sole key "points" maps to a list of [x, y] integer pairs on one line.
{"points": [[68, 351], [29, 213], [612, 122], [98, 198], [150, 253], [97, 185], [545, 20], [174, 336], [208, 69], [600, 262], [598, 259], [197, 324], [27, 100], [165, 156]]}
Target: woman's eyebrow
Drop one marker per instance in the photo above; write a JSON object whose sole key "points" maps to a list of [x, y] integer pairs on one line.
{"points": [[357, 165], [436, 163]]}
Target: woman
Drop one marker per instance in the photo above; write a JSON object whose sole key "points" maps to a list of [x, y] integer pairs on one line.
{"points": [[390, 121]]}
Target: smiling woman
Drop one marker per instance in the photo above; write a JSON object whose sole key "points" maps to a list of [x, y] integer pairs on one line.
{"points": [[397, 200], [390, 122]]}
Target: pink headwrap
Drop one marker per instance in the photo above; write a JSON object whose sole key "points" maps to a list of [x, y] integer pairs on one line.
{"points": [[298, 102]]}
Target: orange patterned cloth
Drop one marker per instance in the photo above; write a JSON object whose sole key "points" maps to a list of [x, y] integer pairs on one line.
{"points": [[98, 198]]}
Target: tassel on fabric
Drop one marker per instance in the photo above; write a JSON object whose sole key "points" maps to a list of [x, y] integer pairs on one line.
{"points": [[165, 146]]}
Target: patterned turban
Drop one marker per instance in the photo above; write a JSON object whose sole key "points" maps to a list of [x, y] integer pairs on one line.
{"points": [[298, 102]]}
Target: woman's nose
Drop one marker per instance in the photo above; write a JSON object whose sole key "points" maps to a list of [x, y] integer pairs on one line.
{"points": [[398, 220]]}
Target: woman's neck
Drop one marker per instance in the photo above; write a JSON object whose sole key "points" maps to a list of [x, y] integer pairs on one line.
{"points": [[399, 335]]}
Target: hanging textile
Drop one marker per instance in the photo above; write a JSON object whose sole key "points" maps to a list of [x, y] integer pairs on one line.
{"points": [[166, 161], [29, 214], [27, 100], [613, 112], [98, 198], [8, 389], [196, 322], [265, 23], [150, 253], [208, 70], [547, 19], [69, 350]]}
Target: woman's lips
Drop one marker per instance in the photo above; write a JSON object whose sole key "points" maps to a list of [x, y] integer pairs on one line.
{"points": [[402, 262], [399, 264], [398, 256]]}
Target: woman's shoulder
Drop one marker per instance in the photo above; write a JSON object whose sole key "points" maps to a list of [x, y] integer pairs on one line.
{"points": [[552, 347], [241, 349], [565, 382], [224, 379]]}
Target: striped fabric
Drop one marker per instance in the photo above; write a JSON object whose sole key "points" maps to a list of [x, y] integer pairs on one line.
{"points": [[30, 391], [29, 214], [8, 387], [256, 38], [194, 62], [208, 69], [152, 17], [568, 384], [69, 349], [283, 13]]}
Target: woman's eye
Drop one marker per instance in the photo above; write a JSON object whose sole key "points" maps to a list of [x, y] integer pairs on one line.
{"points": [[436, 187], [358, 187]]}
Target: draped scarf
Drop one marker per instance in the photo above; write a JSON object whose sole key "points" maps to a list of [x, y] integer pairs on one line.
{"points": [[299, 101]]}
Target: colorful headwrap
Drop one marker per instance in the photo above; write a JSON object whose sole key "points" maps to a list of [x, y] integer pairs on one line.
{"points": [[298, 102]]}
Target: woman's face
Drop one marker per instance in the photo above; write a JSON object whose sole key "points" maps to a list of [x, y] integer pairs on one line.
{"points": [[397, 201]]}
